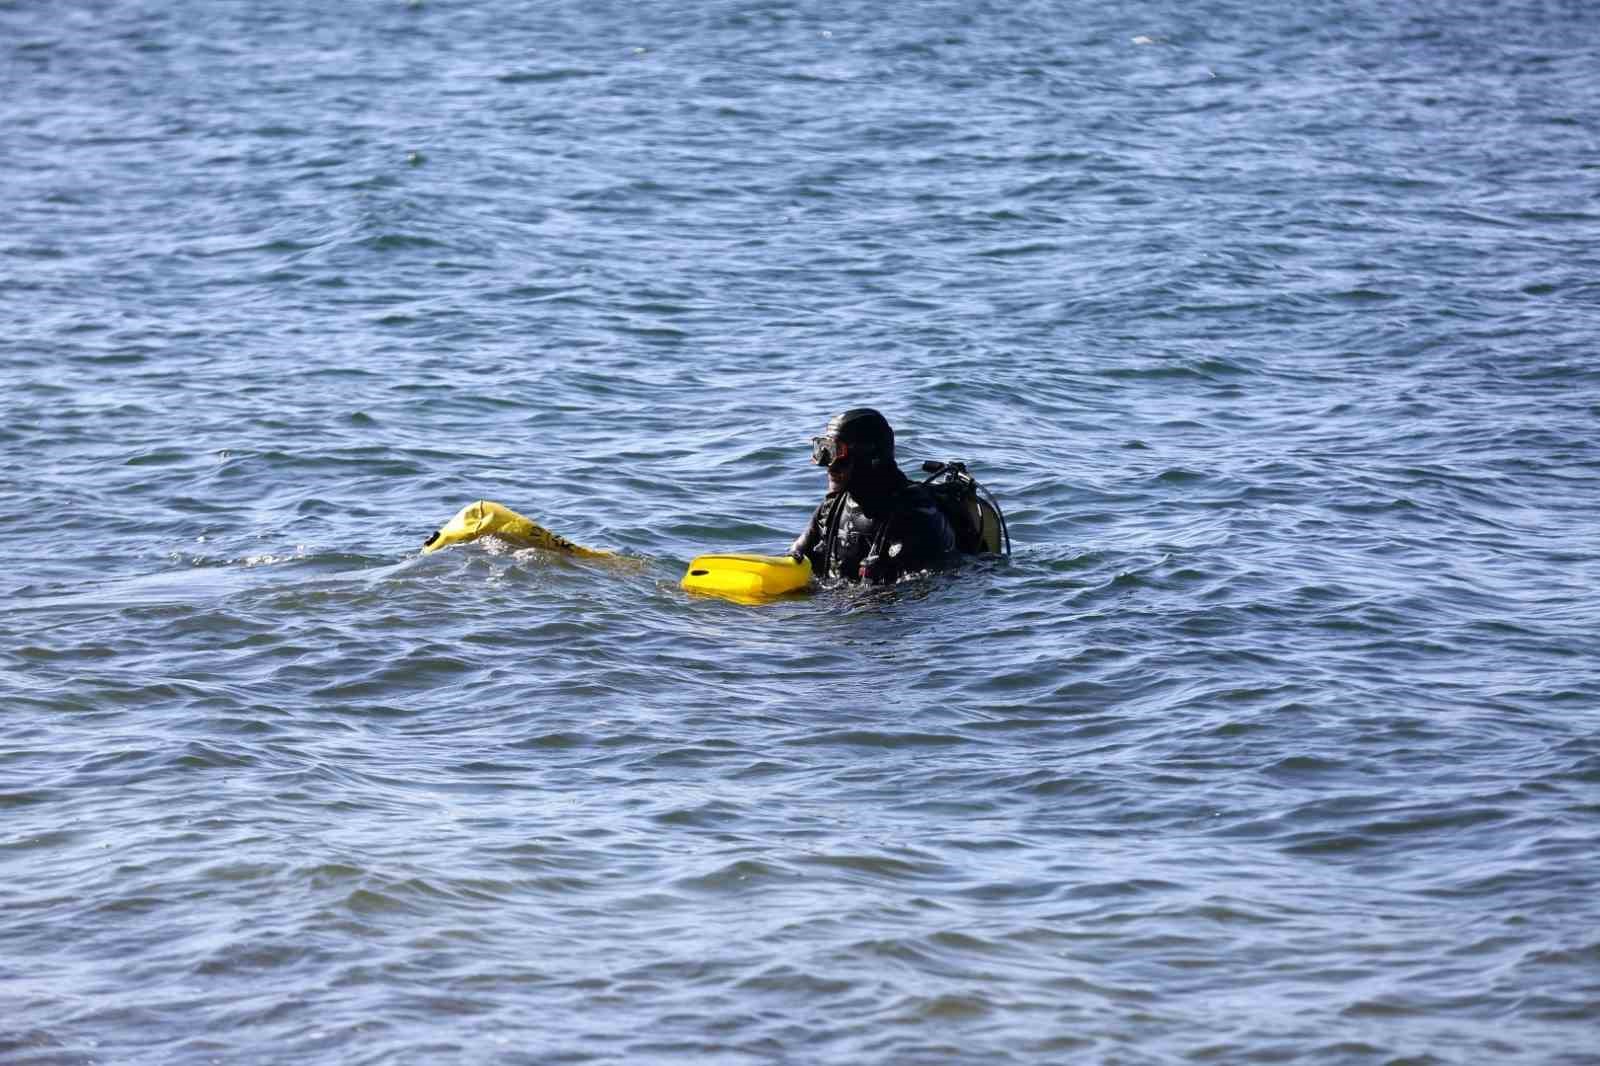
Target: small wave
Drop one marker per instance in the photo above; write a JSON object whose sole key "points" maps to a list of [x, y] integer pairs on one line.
{"points": [[553, 74], [739, 876], [393, 242]]}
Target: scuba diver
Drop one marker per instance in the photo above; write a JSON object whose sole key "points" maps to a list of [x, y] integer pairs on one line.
{"points": [[876, 524]]}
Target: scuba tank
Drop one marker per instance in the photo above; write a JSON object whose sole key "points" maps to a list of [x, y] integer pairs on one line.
{"points": [[971, 509]]}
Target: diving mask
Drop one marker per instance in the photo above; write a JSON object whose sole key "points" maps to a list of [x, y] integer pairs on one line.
{"points": [[826, 451]]}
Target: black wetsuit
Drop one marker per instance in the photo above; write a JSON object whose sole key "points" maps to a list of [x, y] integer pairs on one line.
{"points": [[894, 531]]}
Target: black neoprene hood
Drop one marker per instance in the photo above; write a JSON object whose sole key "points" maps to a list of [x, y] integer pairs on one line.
{"points": [[863, 427]]}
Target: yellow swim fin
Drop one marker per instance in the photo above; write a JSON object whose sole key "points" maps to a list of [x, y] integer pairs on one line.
{"points": [[485, 517]]}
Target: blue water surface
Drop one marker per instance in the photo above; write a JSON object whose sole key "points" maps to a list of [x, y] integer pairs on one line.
{"points": [[1274, 330]]}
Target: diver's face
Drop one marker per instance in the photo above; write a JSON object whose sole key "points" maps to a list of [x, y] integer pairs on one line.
{"points": [[833, 455], [839, 475]]}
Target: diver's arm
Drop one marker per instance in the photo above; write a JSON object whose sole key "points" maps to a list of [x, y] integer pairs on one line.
{"points": [[807, 544]]}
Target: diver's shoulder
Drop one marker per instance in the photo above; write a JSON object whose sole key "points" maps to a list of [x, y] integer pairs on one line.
{"points": [[914, 495]]}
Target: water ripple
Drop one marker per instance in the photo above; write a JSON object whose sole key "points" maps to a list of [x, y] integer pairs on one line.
{"points": [[1272, 740]]}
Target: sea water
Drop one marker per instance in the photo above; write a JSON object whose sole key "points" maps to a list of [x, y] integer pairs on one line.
{"points": [[1272, 327]]}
